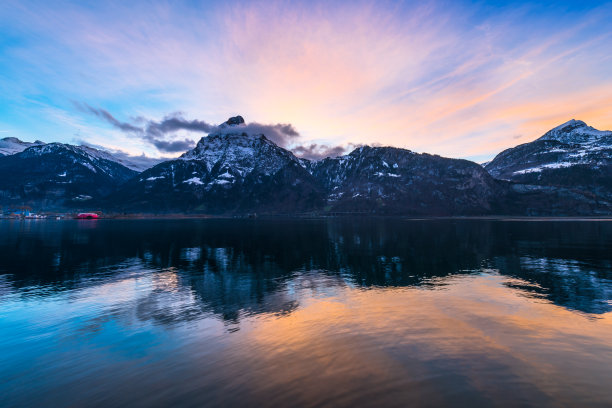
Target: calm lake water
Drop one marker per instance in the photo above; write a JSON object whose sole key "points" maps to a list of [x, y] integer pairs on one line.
{"points": [[340, 312]]}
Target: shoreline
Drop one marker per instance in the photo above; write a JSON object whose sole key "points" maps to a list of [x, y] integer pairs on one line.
{"points": [[68, 217]]}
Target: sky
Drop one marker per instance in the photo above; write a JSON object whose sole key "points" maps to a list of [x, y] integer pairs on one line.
{"points": [[454, 78]]}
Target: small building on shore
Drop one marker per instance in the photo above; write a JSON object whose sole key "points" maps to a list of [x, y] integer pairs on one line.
{"points": [[88, 216]]}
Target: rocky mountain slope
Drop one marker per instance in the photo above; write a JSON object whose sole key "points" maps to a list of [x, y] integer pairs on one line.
{"points": [[58, 175], [234, 171], [573, 156], [229, 171], [12, 145], [389, 180]]}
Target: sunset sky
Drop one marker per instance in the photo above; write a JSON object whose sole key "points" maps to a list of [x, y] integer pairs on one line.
{"points": [[459, 79]]}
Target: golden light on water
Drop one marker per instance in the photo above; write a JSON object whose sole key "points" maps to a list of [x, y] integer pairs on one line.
{"points": [[333, 345], [379, 313]]}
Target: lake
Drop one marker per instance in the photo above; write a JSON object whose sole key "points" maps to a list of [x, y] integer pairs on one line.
{"points": [[322, 312]]}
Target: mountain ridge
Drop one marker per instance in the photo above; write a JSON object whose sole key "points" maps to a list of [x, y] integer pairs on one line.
{"points": [[13, 145], [237, 171], [57, 175], [572, 155]]}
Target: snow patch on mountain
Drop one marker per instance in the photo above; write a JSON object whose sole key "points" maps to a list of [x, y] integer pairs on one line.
{"points": [[194, 180], [546, 166], [90, 167], [220, 181], [381, 174]]}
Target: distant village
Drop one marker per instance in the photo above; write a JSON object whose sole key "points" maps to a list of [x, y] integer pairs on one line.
{"points": [[25, 212]]}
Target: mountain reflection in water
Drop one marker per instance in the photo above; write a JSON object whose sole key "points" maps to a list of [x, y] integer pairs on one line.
{"points": [[307, 312]]}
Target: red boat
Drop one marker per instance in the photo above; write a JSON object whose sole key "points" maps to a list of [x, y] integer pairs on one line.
{"points": [[88, 216]]}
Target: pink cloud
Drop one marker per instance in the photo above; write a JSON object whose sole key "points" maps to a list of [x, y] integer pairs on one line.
{"points": [[424, 78]]}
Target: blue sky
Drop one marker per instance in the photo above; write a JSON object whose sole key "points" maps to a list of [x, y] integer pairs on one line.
{"points": [[460, 79]]}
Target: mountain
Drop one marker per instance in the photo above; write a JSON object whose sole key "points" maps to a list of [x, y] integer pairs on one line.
{"points": [[229, 171], [235, 171], [56, 175], [389, 180], [232, 171], [573, 156], [12, 145]]}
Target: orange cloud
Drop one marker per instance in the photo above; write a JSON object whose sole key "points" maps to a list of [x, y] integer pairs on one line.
{"points": [[440, 78]]}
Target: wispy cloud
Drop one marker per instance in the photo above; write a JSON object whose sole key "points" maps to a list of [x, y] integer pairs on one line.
{"points": [[101, 113], [456, 78], [155, 133]]}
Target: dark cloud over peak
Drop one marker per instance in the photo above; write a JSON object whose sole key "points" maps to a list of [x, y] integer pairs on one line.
{"points": [[174, 146], [317, 152], [159, 134], [176, 122], [162, 134], [281, 133]]}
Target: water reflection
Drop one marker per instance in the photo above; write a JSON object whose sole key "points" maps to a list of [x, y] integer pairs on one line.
{"points": [[234, 267], [369, 312]]}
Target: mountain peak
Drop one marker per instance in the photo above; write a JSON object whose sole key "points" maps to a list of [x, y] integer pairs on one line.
{"points": [[575, 131], [573, 124], [234, 121], [12, 145], [11, 139]]}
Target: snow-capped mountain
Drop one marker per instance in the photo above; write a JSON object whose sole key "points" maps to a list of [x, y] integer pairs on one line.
{"points": [[228, 171], [12, 145], [571, 144], [94, 160], [572, 155], [57, 175], [578, 132], [567, 171], [232, 171], [392, 180], [233, 154]]}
